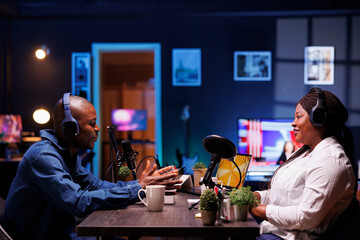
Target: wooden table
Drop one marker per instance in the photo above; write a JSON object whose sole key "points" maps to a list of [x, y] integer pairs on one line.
{"points": [[175, 220]]}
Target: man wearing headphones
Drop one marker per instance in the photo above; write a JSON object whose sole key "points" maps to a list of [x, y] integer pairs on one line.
{"points": [[51, 187], [317, 183]]}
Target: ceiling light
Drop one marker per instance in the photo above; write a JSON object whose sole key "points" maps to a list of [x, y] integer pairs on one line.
{"points": [[42, 52]]}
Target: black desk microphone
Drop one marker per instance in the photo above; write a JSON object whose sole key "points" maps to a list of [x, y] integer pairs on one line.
{"points": [[129, 156]]}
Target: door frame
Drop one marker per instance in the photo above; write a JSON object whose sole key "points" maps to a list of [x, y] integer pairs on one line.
{"points": [[96, 50]]}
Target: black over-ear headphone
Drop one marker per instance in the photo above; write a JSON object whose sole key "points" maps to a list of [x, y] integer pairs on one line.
{"points": [[318, 112], [70, 125]]}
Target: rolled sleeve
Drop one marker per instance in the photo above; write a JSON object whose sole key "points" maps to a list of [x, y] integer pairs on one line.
{"points": [[263, 196], [285, 217]]}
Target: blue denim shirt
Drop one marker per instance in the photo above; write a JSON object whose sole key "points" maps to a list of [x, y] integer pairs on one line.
{"points": [[51, 188]]}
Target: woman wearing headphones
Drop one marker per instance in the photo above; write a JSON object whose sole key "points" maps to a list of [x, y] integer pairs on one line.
{"points": [[317, 183]]}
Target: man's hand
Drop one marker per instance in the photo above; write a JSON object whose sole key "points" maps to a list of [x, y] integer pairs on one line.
{"points": [[160, 177], [166, 170]]}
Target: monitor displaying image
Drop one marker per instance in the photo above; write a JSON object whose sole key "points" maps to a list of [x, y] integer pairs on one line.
{"points": [[264, 139], [129, 119], [10, 128]]}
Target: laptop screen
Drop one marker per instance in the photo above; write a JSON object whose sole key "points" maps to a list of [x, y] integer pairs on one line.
{"points": [[228, 172]]}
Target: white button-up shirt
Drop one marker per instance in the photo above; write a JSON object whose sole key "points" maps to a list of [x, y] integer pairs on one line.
{"points": [[309, 193]]}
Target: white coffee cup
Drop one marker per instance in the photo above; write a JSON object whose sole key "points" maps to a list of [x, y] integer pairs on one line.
{"points": [[155, 195]]}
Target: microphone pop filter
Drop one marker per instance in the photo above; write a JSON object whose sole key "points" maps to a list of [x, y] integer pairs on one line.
{"points": [[220, 146]]}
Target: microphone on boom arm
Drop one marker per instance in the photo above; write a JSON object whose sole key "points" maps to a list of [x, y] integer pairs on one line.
{"points": [[129, 155]]}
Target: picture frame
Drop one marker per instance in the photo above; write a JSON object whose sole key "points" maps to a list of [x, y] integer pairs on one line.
{"points": [[81, 74], [319, 65], [186, 67], [252, 66]]}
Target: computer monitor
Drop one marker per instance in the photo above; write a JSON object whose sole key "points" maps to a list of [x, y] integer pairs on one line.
{"points": [[264, 139], [10, 128], [129, 119]]}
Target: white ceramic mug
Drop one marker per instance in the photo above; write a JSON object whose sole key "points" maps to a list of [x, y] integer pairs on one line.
{"points": [[155, 195]]}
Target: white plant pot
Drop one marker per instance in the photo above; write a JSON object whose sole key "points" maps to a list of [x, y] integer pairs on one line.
{"points": [[241, 214]]}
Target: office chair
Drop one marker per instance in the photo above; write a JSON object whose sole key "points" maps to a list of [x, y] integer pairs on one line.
{"points": [[347, 224], [3, 234]]}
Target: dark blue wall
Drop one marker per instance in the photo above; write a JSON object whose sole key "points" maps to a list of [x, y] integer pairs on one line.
{"points": [[215, 105]]}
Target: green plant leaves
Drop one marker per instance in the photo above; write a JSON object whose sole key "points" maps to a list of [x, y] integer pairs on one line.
{"points": [[199, 165], [208, 200], [243, 196]]}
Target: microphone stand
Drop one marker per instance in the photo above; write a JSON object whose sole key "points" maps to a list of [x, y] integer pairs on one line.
{"points": [[113, 146], [207, 180]]}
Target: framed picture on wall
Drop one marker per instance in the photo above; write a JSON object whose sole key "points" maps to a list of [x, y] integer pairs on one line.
{"points": [[252, 66], [80, 74], [319, 65], [186, 67]]}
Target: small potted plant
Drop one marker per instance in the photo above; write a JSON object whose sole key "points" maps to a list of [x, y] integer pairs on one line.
{"points": [[199, 170], [242, 199], [124, 172], [208, 207]]}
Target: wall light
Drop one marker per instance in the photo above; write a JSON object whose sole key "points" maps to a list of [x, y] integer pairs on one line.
{"points": [[42, 52], [41, 116]]}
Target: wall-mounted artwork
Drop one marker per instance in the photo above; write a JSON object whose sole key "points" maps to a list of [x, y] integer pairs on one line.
{"points": [[80, 74], [252, 66], [319, 66], [186, 67]]}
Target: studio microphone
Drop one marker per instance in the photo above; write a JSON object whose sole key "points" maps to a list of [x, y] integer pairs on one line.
{"points": [[129, 156]]}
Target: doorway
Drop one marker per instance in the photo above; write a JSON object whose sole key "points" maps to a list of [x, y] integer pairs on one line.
{"points": [[127, 76]]}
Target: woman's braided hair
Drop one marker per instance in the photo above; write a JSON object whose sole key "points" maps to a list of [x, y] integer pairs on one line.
{"points": [[336, 116]]}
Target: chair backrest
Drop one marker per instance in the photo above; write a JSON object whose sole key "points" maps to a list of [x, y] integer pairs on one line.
{"points": [[350, 226], [3, 234], [347, 224], [2, 210]]}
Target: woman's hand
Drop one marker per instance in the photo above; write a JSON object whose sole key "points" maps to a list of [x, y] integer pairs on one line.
{"points": [[259, 211], [160, 177]]}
